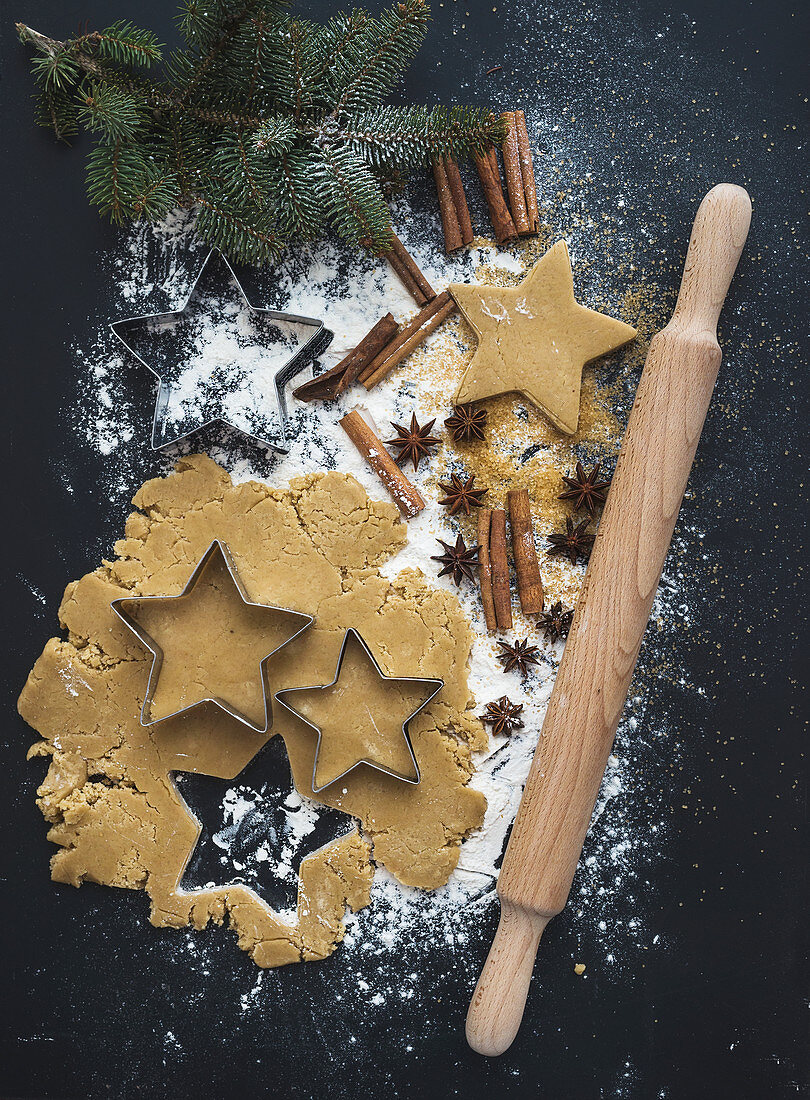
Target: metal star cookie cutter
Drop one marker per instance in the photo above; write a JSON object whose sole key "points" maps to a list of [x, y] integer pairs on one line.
{"points": [[317, 343], [146, 719], [350, 634]]}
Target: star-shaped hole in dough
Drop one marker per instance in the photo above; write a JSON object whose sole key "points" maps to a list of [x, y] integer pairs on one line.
{"points": [[255, 830], [535, 338], [210, 644], [362, 716]]}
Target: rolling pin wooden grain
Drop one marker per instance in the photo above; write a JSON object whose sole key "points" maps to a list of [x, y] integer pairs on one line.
{"points": [[612, 613]]}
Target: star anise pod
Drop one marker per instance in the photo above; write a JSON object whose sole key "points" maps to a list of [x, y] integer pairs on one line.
{"points": [[585, 490], [575, 543], [414, 443], [458, 560], [555, 623], [503, 715], [462, 496], [519, 655], [467, 423]]}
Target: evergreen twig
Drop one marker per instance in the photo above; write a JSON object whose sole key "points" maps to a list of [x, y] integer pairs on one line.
{"points": [[269, 126]]}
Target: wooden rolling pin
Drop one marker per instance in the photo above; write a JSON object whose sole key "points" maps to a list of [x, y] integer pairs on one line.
{"points": [[612, 613]]}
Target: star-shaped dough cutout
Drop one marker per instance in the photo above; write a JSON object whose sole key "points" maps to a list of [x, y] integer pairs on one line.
{"points": [[362, 716], [535, 338], [210, 644]]}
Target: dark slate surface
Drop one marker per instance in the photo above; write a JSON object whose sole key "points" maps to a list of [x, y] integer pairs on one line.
{"points": [[94, 1002]]}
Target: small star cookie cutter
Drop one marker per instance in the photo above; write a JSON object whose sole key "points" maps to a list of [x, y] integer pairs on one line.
{"points": [[216, 548], [352, 635], [309, 351]]}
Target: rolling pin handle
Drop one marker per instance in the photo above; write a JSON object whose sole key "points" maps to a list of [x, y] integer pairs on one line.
{"points": [[497, 1004], [718, 235]]}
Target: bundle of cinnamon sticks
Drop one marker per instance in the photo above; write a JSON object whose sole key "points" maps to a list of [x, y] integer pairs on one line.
{"points": [[519, 172], [382, 349], [493, 574], [455, 213], [519, 216], [493, 571], [387, 343]]}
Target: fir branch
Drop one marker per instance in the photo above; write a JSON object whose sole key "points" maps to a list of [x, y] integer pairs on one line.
{"points": [[392, 138], [289, 65], [296, 37], [299, 212], [57, 109], [158, 194], [275, 136], [228, 24], [153, 94], [123, 43], [183, 156], [200, 22], [56, 69], [64, 58], [244, 170], [271, 127], [113, 174], [260, 50], [354, 204], [108, 110], [234, 234], [252, 171], [390, 44], [330, 45]]}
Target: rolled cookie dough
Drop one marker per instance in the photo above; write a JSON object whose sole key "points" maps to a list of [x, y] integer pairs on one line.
{"points": [[316, 548]]}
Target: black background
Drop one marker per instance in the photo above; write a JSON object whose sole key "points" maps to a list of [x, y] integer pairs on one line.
{"points": [[90, 991]]}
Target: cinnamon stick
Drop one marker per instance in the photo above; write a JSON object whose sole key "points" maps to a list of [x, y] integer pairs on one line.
{"points": [[501, 595], [455, 213], [485, 568], [493, 160], [410, 337], [405, 495], [407, 269], [493, 192], [527, 172], [406, 278], [514, 177], [459, 200], [333, 382], [447, 208], [529, 582]]}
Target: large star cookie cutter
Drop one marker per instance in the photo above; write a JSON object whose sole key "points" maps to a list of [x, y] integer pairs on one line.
{"points": [[235, 389], [352, 635], [217, 548]]}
